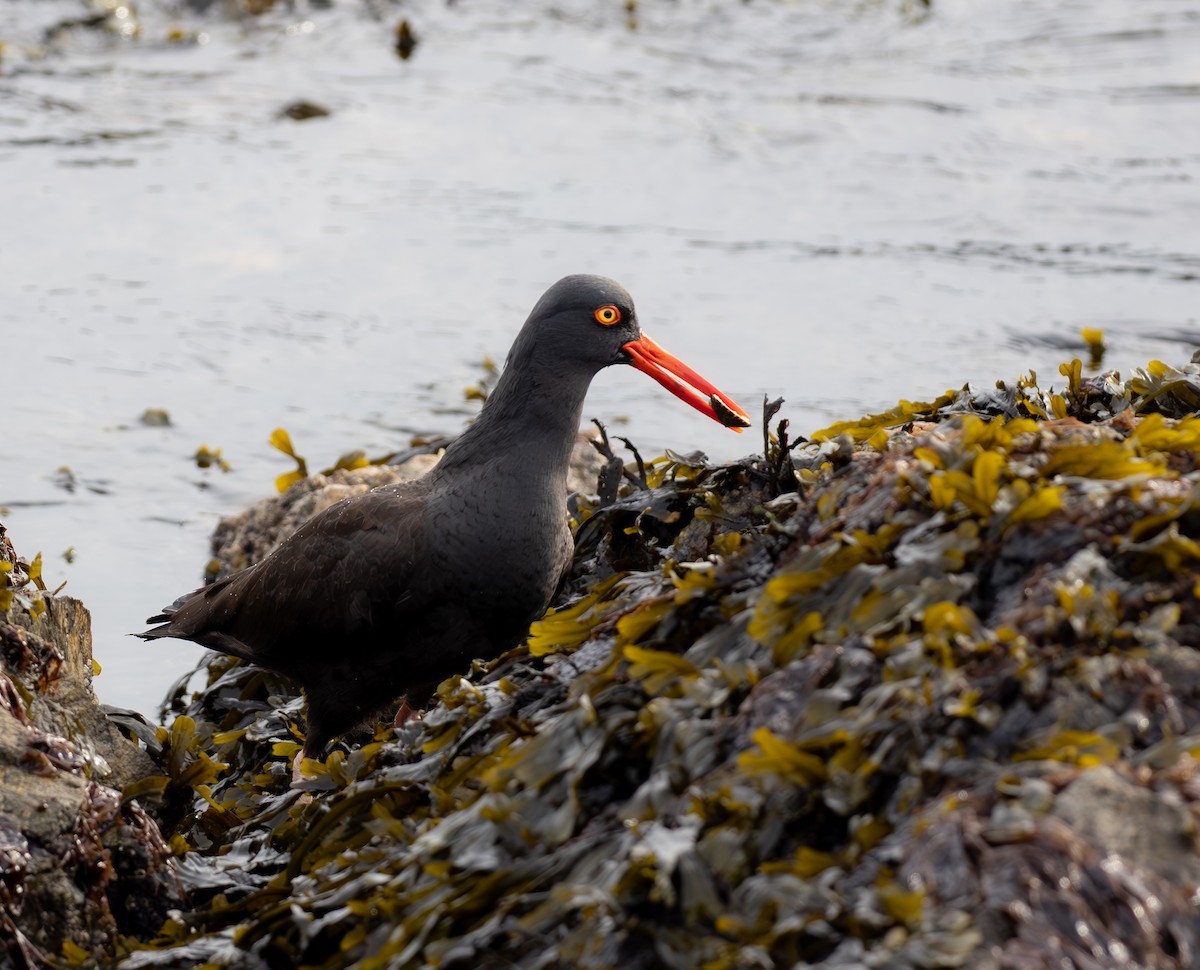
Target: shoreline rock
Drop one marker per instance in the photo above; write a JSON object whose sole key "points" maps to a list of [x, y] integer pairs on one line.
{"points": [[896, 716], [79, 866], [924, 692]]}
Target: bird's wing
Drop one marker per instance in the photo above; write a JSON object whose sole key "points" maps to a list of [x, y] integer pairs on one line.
{"points": [[358, 556]]}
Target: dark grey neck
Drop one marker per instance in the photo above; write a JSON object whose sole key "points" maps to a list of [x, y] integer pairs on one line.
{"points": [[529, 422]]}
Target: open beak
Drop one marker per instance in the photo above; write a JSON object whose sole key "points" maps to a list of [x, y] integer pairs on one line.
{"points": [[673, 374]]}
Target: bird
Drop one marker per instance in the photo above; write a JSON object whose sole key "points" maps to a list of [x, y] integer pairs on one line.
{"points": [[388, 592]]}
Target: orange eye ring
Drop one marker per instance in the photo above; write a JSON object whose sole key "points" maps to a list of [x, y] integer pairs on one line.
{"points": [[607, 315]]}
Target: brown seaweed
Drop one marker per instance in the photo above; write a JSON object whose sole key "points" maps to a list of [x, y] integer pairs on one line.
{"points": [[888, 698]]}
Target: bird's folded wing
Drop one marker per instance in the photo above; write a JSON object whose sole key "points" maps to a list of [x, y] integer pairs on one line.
{"points": [[349, 568]]}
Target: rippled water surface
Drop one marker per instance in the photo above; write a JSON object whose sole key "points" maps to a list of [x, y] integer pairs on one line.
{"points": [[840, 203]]}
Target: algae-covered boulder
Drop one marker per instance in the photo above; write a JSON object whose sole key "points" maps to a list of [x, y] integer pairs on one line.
{"points": [[78, 864], [922, 692]]}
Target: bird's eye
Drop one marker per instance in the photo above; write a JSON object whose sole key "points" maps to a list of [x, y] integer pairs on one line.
{"points": [[607, 315]]}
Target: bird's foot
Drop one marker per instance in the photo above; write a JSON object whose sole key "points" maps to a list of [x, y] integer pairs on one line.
{"points": [[404, 715], [296, 762], [298, 776]]}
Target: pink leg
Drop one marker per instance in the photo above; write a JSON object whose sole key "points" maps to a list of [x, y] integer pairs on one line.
{"points": [[404, 715], [305, 798]]}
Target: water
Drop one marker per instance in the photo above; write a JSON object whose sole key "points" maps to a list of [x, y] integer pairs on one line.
{"points": [[843, 204]]}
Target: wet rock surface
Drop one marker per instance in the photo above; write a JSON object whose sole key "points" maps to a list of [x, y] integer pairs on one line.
{"points": [[78, 865]]}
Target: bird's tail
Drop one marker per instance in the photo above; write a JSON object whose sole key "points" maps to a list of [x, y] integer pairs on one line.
{"points": [[165, 617]]}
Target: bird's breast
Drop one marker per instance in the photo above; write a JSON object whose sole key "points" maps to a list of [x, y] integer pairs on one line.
{"points": [[506, 552]]}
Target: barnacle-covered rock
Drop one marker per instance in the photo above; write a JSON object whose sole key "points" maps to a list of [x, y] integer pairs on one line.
{"points": [[920, 692], [78, 865]]}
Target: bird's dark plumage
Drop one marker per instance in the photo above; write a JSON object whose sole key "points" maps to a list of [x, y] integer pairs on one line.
{"points": [[392, 591]]}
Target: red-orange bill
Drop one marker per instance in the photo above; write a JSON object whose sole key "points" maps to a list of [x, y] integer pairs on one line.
{"points": [[685, 383]]}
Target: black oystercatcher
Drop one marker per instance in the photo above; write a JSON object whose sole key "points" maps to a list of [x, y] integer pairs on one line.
{"points": [[392, 591]]}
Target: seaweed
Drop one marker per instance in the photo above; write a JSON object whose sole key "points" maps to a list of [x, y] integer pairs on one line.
{"points": [[349, 461], [844, 703], [21, 583], [206, 457], [406, 40]]}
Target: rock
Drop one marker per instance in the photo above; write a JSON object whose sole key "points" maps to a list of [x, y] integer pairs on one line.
{"points": [[1048, 894], [859, 724], [936, 707], [1118, 816], [58, 646], [77, 864]]}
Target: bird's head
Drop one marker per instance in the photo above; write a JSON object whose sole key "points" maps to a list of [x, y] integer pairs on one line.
{"points": [[589, 322]]}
